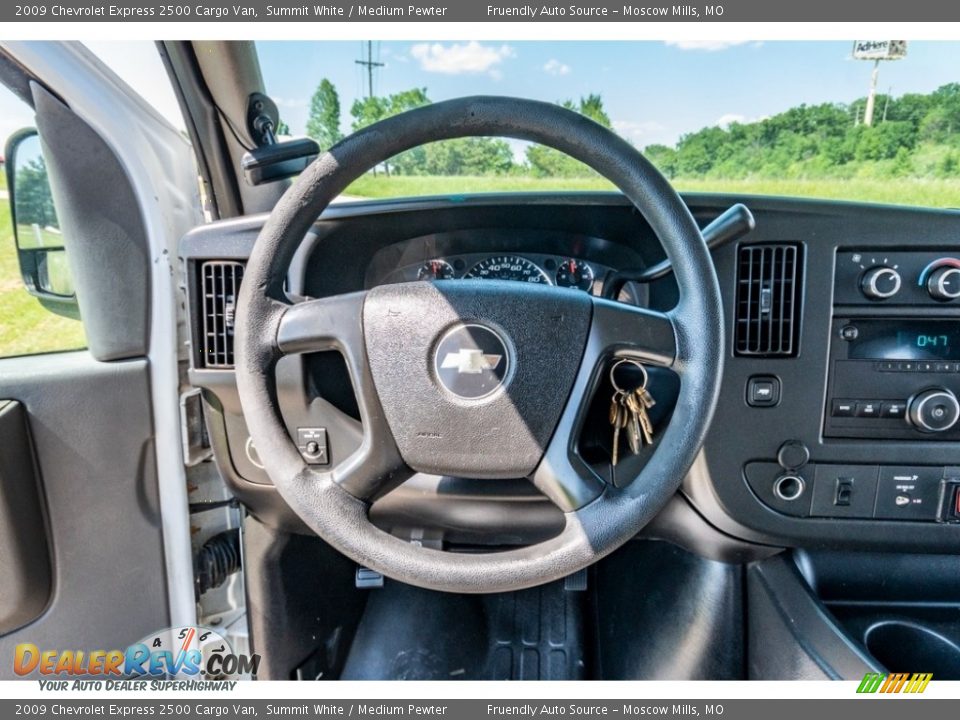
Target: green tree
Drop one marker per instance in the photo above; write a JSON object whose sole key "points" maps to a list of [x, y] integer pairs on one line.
{"points": [[663, 157], [369, 110], [547, 162], [462, 156], [33, 199], [323, 124], [882, 142]]}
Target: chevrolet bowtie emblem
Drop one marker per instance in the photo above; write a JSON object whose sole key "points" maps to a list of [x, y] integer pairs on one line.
{"points": [[470, 362]]}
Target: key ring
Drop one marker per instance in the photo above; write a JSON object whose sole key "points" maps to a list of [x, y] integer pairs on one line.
{"points": [[631, 361]]}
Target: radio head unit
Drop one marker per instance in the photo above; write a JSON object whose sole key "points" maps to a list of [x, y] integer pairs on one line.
{"points": [[895, 378]]}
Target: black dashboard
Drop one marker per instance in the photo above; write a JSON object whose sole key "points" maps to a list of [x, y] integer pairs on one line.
{"points": [[838, 420]]}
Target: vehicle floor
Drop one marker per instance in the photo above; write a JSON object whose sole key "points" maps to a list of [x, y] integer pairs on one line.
{"points": [[407, 633], [650, 611]]}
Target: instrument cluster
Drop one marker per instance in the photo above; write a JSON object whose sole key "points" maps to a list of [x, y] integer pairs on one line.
{"points": [[556, 270]]}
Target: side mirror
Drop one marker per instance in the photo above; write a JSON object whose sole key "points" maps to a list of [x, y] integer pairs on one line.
{"points": [[36, 230]]}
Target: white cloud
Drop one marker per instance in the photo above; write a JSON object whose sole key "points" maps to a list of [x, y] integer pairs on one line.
{"points": [[470, 58], [555, 67], [706, 45], [284, 102], [729, 119], [640, 133]]}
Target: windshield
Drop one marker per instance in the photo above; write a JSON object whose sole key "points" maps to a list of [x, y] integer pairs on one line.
{"points": [[871, 121]]}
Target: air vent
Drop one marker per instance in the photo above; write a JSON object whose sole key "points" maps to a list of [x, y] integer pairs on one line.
{"points": [[768, 300], [219, 285]]}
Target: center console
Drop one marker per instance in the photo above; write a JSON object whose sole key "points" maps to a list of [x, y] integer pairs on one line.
{"points": [[895, 352], [891, 394]]}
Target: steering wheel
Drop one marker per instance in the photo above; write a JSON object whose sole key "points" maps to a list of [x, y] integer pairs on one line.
{"points": [[478, 379]]}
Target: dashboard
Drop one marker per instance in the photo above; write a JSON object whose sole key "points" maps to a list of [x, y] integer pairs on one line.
{"points": [[838, 420]]}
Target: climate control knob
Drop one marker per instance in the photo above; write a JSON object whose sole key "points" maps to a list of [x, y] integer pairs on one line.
{"points": [[880, 283], [934, 410], [944, 284]]}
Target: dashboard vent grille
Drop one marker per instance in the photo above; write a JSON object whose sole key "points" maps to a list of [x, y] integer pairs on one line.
{"points": [[768, 300], [219, 285]]}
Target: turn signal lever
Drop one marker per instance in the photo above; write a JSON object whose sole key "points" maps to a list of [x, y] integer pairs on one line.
{"points": [[732, 224]]}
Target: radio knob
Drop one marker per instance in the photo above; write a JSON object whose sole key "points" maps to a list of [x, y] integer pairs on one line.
{"points": [[934, 410], [944, 284], [880, 283]]}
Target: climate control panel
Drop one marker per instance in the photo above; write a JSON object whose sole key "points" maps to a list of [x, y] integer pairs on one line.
{"points": [[868, 277]]}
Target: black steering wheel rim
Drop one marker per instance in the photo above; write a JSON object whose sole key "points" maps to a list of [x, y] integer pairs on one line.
{"points": [[596, 523]]}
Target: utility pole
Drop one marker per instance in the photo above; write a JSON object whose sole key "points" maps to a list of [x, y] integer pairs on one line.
{"points": [[872, 95], [370, 65], [877, 50]]}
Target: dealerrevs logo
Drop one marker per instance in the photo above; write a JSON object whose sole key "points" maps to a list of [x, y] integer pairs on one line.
{"points": [[188, 652]]}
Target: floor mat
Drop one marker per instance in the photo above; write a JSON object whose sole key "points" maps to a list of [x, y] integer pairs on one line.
{"points": [[412, 634]]}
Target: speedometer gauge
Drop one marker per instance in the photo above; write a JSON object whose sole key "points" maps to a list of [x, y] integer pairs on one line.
{"points": [[508, 267]]}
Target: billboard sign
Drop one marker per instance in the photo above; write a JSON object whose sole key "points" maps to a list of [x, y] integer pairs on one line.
{"points": [[879, 49]]}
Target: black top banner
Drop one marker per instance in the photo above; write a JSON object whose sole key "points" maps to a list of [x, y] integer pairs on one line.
{"points": [[636, 11]]}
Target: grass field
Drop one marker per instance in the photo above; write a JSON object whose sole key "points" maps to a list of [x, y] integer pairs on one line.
{"points": [[26, 327], [901, 191]]}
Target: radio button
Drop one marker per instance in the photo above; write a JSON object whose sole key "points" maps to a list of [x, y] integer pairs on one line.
{"points": [[888, 366], [844, 408], [894, 410], [868, 409], [944, 367], [934, 410], [926, 367], [907, 366], [849, 333]]}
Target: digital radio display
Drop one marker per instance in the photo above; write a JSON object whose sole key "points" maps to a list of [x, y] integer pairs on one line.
{"points": [[905, 340]]}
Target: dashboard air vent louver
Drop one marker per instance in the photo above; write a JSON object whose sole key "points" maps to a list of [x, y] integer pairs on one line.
{"points": [[219, 285], [768, 300]]}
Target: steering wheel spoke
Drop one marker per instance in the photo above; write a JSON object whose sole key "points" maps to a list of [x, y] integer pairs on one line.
{"points": [[325, 324], [621, 330], [617, 330], [336, 324]]}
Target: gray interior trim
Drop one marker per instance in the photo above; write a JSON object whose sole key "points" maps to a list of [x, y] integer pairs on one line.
{"points": [[25, 574], [159, 163], [791, 635], [231, 72], [92, 429], [103, 230]]}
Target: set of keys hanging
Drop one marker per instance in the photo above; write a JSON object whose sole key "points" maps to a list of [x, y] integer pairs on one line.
{"points": [[629, 411]]}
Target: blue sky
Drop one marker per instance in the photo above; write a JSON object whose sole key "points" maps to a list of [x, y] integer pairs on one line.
{"points": [[653, 91]]}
